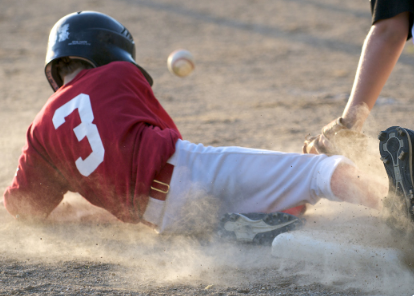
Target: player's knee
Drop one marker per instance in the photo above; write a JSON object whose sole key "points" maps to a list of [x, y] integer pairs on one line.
{"points": [[392, 30], [327, 175]]}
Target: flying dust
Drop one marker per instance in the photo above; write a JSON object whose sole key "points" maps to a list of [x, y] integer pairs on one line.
{"points": [[149, 259], [78, 232]]}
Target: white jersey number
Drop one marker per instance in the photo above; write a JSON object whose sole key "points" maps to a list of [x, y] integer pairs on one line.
{"points": [[85, 129]]}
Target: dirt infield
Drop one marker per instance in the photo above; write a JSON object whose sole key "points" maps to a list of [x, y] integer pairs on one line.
{"points": [[268, 72]]}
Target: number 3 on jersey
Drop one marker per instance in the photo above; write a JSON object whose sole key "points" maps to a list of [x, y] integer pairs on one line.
{"points": [[85, 129]]}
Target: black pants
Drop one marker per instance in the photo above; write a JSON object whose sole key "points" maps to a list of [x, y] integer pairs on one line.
{"points": [[384, 9]]}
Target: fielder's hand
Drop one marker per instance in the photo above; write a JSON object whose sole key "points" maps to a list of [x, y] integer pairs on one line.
{"points": [[335, 137]]}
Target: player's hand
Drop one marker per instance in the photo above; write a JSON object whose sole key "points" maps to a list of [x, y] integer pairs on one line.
{"points": [[318, 145], [335, 137]]}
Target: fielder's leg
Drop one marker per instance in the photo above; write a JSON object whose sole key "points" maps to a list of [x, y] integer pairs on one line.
{"points": [[396, 153]]}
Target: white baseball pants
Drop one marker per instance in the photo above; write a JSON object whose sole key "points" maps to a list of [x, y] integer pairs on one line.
{"points": [[210, 181]]}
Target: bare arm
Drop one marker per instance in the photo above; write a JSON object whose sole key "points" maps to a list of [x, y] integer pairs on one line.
{"points": [[382, 48]]}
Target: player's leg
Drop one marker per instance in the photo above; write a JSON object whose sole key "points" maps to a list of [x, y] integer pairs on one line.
{"points": [[349, 184], [241, 180], [254, 180], [396, 153]]}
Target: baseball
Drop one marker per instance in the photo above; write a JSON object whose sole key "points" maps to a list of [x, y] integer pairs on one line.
{"points": [[181, 62]]}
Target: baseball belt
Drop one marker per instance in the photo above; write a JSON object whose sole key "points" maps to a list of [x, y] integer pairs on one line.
{"points": [[160, 187]]}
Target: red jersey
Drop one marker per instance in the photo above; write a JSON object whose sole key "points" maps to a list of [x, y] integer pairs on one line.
{"points": [[103, 135]]}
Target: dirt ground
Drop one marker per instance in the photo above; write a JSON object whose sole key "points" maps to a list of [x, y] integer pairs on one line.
{"points": [[268, 72]]}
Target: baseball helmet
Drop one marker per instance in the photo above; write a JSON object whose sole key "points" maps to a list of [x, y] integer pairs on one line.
{"points": [[93, 37]]}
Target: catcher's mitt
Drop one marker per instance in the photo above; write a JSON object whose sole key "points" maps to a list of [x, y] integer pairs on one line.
{"points": [[334, 139]]}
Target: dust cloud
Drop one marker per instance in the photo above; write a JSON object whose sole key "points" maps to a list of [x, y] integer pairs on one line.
{"points": [[384, 238], [358, 250], [78, 232], [148, 259]]}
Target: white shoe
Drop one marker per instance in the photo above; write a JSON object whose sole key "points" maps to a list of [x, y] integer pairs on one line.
{"points": [[257, 228]]}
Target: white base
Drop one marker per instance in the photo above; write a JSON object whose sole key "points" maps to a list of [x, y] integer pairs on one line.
{"points": [[316, 247]]}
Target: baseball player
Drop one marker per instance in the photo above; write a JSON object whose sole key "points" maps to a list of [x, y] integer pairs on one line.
{"points": [[392, 22], [104, 135]]}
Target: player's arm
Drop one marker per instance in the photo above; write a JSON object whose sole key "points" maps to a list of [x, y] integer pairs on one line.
{"points": [[381, 50], [37, 187]]}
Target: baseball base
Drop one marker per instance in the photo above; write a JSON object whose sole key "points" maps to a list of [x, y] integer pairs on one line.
{"points": [[316, 248]]}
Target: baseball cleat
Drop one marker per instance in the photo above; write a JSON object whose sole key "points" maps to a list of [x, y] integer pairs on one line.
{"points": [[257, 228], [396, 153]]}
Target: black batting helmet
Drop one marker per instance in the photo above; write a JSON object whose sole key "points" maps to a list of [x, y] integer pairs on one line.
{"points": [[92, 37]]}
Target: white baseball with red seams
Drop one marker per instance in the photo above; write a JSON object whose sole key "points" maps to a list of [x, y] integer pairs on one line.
{"points": [[181, 62]]}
